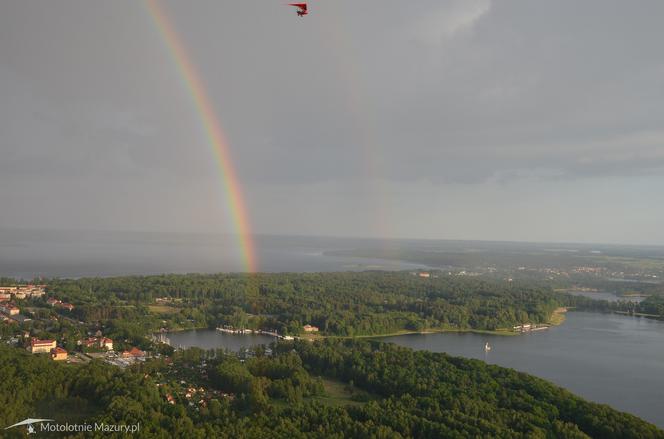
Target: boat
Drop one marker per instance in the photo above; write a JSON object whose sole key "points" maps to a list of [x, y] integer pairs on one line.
{"points": [[487, 348]]}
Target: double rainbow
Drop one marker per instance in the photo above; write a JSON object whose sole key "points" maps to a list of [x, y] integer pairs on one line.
{"points": [[213, 130]]}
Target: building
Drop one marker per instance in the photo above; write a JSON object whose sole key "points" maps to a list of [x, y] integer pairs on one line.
{"points": [[67, 306], [53, 301], [23, 291], [41, 346], [37, 293], [133, 353], [10, 309], [424, 274], [524, 327], [106, 343], [37, 290], [97, 342], [89, 342], [309, 328], [58, 354], [5, 296]]}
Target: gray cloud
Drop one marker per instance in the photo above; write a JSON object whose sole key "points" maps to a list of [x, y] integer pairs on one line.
{"points": [[332, 115]]}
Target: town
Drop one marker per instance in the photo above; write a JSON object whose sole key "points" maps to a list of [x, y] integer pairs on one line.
{"points": [[28, 312], [38, 312]]}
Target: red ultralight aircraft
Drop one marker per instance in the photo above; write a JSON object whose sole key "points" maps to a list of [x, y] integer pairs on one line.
{"points": [[301, 8]]}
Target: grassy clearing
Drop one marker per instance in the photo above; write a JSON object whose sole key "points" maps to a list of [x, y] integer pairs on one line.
{"points": [[339, 393], [162, 309]]}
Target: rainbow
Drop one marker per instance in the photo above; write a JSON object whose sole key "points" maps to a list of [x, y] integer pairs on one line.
{"points": [[213, 130]]}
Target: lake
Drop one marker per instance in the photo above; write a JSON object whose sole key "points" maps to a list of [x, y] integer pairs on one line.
{"points": [[213, 339], [606, 358], [33, 253]]}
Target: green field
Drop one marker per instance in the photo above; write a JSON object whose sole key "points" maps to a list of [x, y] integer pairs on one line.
{"points": [[338, 394], [162, 309]]}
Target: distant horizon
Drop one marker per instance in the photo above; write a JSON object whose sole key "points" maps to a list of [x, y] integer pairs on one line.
{"points": [[325, 236]]}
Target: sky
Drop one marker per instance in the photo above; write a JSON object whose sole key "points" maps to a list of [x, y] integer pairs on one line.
{"points": [[454, 119]]}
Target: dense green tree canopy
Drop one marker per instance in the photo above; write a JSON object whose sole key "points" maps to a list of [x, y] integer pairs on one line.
{"points": [[345, 304], [412, 394]]}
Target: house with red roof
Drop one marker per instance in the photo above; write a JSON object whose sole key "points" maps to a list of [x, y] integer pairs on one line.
{"points": [[89, 342], [41, 346], [106, 343], [133, 353], [53, 301], [97, 342], [67, 306], [58, 354]]}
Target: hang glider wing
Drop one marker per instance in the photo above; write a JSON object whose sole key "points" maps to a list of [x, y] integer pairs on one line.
{"points": [[301, 6]]}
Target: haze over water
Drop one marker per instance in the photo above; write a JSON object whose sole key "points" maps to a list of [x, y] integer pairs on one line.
{"points": [[32, 253]]}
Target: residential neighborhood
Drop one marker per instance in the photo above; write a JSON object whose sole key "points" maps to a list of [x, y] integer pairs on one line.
{"points": [[22, 291], [103, 343], [46, 313]]}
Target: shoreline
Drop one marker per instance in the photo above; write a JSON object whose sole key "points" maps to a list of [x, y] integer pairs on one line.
{"points": [[637, 314], [557, 318], [504, 332], [171, 331]]}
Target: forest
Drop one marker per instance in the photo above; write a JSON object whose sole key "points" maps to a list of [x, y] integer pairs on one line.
{"points": [[346, 304], [335, 386], [396, 393], [340, 304]]}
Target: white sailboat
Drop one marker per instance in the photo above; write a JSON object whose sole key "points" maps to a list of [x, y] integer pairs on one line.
{"points": [[487, 348]]}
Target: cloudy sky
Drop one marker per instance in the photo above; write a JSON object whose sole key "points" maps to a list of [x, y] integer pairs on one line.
{"points": [[471, 119]]}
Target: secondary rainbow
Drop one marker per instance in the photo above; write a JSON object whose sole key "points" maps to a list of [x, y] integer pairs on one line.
{"points": [[213, 130]]}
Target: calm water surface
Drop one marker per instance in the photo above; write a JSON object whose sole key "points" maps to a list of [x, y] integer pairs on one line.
{"points": [[213, 339], [606, 358], [28, 254]]}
